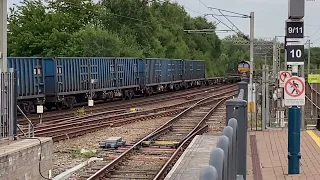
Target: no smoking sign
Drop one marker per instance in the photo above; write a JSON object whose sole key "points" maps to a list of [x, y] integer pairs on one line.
{"points": [[282, 76], [294, 91]]}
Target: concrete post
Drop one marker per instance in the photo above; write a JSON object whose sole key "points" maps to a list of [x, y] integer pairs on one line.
{"points": [[228, 131], [223, 143], [216, 160], [234, 124], [208, 173], [3, 35], [236, 108], [294, 140], [244, 85]]}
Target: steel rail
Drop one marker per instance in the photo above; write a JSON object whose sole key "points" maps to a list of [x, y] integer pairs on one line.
{"points": [[180, 149], [159, 130]]}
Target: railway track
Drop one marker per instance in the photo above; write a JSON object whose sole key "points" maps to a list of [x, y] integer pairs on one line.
{"points": [[117, 107], [152, 156], [76, 127]]}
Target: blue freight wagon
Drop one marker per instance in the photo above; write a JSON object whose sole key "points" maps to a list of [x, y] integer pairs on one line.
{"points": [[157, 75], [194, 72], [30, 82], [73, 80], [115, 77]]}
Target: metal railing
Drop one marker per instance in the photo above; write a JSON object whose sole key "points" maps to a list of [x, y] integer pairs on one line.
{"points": [[8, 101], [30, 125], [227, 160], [315, 109]]}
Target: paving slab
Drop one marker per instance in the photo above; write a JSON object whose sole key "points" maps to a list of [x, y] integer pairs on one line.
{"points": [[194, 158], [272, 146]]}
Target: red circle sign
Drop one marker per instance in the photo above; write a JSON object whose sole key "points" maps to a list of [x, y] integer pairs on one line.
{"points": [[282, 75], [290, 82]]}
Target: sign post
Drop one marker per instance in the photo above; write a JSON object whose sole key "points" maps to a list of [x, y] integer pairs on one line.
{"points": [[294, 87], [282, 76]]}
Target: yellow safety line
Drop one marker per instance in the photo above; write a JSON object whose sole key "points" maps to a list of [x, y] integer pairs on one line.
{"points": [[314, 137]]}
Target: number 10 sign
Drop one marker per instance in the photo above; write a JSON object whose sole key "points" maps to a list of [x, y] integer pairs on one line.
{"points": [[295, 54]]}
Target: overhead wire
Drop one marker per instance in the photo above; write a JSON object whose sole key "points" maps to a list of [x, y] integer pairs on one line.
{"points": [[225, 16], [136, 19], [241, 15], [216, 23], [144, 21]]}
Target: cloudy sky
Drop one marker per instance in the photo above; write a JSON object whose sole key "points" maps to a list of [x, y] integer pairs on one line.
{"points": [[270, 15]]}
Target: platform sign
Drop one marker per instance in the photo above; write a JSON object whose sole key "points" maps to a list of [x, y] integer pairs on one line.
{"points": [[282, 76], [314, 78], [294, 29], [294, 91], [295, 54]]}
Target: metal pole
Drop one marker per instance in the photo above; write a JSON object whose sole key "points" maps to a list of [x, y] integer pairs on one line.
{"points": [[285, 53], [3, 36], [274, 65], [267, 97], [264, 96], [294, 140], [309, 56], [302, 107], [89, 79], [251, 61]]}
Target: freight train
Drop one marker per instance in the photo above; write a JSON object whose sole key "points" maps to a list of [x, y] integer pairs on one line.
{"points": [[66, 81]]}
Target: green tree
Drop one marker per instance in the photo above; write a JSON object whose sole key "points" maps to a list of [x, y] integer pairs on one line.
{"points": [[138, 28]]}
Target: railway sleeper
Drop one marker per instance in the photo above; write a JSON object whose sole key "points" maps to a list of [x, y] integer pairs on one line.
{"points": [[150, 172], [129, 177]]}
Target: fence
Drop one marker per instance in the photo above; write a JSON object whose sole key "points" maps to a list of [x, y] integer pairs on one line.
{"points": [[8, 105], [228, 159]]}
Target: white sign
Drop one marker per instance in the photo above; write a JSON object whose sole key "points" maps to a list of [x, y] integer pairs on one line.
{"points": [[294, 91], [282, 76]]}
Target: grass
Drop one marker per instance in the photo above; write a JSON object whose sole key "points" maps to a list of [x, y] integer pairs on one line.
{"points": [[83, 153], [80, 111]]}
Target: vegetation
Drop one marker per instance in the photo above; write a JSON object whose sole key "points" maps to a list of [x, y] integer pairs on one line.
{"points": [[134, 28], [82, 153], [80, 111]]}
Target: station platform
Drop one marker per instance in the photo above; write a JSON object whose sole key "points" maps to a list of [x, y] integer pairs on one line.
{"points": [[20, 159], [193, 158], [266, 156], [269, 159]]}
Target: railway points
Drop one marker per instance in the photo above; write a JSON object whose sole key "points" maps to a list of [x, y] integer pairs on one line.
{"points": [[173, 130]]}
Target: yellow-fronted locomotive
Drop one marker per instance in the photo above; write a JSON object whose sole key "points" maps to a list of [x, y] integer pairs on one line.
{"points": [[244, 67]]}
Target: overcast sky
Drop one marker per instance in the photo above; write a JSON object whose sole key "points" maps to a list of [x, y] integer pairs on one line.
{"points": [[270, 15]]}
